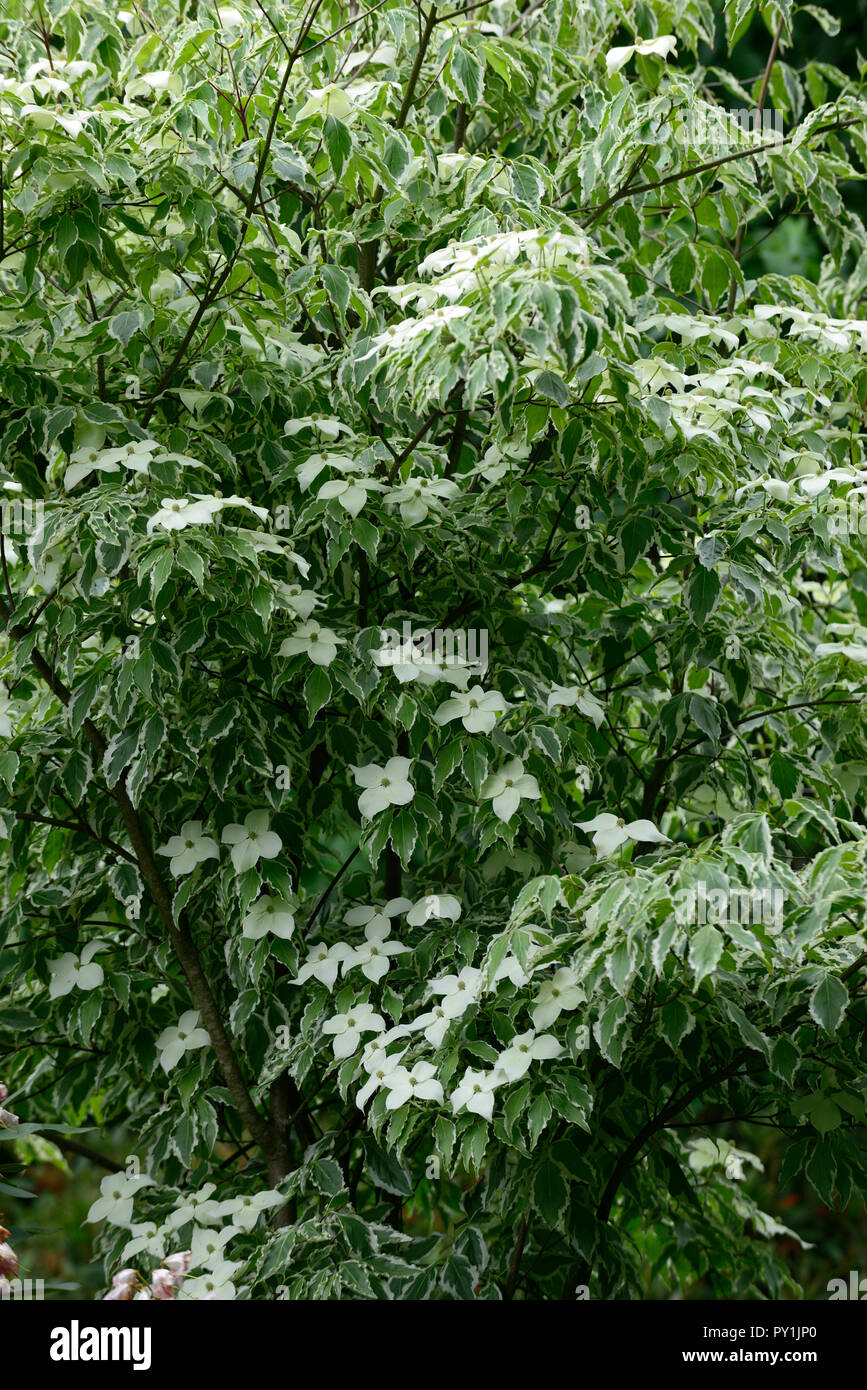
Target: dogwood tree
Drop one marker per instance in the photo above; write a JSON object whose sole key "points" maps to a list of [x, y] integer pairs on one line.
{"points": [[434, 627]]}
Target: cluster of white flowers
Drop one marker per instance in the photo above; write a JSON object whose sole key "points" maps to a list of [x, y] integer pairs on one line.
{"points": [[450, 996], [213, 1273]]}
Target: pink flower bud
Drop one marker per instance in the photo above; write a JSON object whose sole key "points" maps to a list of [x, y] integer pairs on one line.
{"points": [[124, 1279], [120, 1293], [8, 1260], [163, 1284], [178, 1263], [4, 1090], [7, 1119]]}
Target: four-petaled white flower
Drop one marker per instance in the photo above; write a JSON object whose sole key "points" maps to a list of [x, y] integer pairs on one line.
{"points": [[379, 1066], [434, 1024], [147, 1239], [70, 972], [525, 1048], [398, 335], [410, 663], [116, 1200], [198, 1206], [412, 1083], [176, 513], [187, 1036], [383, 786], [206, 1246], [189, 848], [319, 643], [347, 1028], [440, 905], [373, 955], [478, 710], [662, 47], [245, 1211], [609, 832], [508, 787], [215, 1283], [301, 601], [136, 456], [475, 1092], [251, 841], [269, 914], [560, 993], [324, 425], [459, 991], [571, 695], [323, 963], [350, 491], [419, 495]]}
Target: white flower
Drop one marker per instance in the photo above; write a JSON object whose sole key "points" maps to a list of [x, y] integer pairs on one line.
{"points": [[441, 905], [560, 993], [245, 1211], [116, 1200], [323, 963], [136, 456], [172, 1043], [251, 841], [477, 710], [398, 335], [662, 47], [319, 643], [215, 1284], [269, 914], [417, 496], [508, 787], [206, 1246], [323, 425], [147, 1239], [301, 601], [415, 1083], [379, 1066], [475, 1092], [70, 972], [383, 786], [373, 956], [365, 914], [525, 1048], [351, 492], [434, 1024], [347, 1028], [176, 513], [609, 832], [189, 848], [459, 991], [409, 663], [571, 695], [196, 1206], [330, 100]]}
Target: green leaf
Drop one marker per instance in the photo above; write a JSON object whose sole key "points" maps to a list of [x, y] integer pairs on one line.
{"points": [[338, 143], [317, 691], [705, 951], [550, 1193], [828, 1003], [702, 593]]}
